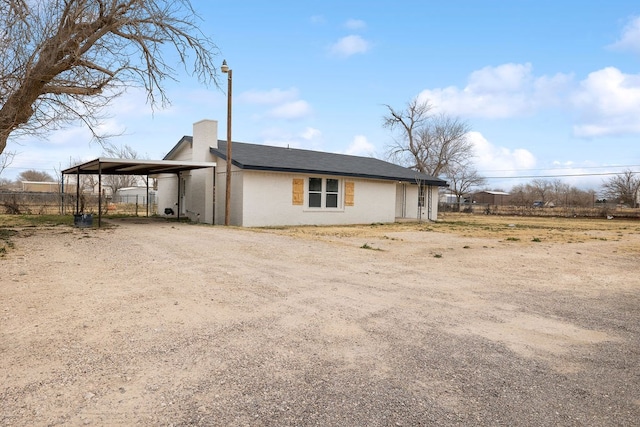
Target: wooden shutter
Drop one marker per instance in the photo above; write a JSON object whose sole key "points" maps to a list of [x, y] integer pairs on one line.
{"points": [[349, 188], [298, 191]]}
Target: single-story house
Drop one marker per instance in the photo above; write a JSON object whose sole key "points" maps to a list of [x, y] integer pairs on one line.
{"points": [[492, 197], [272, 186]]}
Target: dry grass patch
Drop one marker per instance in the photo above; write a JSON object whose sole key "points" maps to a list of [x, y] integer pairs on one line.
{"points": [[511, 229]]}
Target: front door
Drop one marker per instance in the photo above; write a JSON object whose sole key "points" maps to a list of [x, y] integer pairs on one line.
{"points": [[401, 200]]}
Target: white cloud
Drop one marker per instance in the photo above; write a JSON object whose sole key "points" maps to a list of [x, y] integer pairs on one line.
{"points": [[69, 136], [355, 24], [507, 90], [290, 110], [608, 103], [349, 45], [308, 138], [605, 103], [273, 96], [360, 146], [630, 39], [282, 103], [499, 160], [310, 134]]}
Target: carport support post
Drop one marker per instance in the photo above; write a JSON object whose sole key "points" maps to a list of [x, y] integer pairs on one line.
{"points": [[77, 190], [179, 183], [99, 194], [148, 196], [62, 195]]}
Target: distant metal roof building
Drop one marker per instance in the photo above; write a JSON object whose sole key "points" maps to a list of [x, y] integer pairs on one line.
{"points": [[492, 197], [495, 193]]}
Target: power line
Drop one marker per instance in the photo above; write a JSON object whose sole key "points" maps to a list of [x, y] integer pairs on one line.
{"points": [[555, 176], [560, 168]]}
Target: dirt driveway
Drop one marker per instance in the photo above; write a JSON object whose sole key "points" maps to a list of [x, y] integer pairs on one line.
{"points": [[158, 323]]}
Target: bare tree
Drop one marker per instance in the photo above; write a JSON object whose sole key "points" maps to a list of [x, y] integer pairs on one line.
{"points": [[116, 182], [6, 159], [520, 196], [431, 144], [541, 189], [556, 191], [63, 61], [623, 188], [406, 149], [34, 175], [5, 183], [87, 183], [462, 178]]}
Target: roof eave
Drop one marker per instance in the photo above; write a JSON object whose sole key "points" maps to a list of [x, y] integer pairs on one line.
{"points": [[413, 180]]}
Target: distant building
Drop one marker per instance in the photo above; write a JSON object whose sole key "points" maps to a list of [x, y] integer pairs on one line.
{"points": [[134, 195], [449, 197], [492, 197], [40, 186]]}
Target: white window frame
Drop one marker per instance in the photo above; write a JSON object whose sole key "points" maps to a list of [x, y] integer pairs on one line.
{"points": [[323, 194]]}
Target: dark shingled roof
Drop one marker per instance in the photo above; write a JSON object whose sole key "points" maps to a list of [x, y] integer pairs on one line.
{"points": [[279, 159]]}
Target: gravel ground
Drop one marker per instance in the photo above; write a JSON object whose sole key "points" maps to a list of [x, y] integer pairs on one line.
{"points": [[155, 323]]}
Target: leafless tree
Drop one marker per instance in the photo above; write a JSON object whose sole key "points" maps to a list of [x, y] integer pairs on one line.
{"points": [[558, 192], [63, 61], [462, 178], [431, 144], [34, 175], [6, 159], [541, 189], [406, 149], [623, 188], [566, 195], [87, 183], [116, 182]]}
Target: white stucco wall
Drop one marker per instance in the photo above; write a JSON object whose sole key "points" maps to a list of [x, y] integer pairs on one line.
{"points": [[260, 199], [167, 193], [236, 194], [197, 196], [410, 199], [267, 201], [200, 195]]}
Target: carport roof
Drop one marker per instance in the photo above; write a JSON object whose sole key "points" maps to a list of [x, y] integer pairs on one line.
{"points": [[107, 166]]}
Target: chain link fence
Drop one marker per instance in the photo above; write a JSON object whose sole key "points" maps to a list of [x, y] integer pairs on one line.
{"points": [[33, 203], [599, 210]]}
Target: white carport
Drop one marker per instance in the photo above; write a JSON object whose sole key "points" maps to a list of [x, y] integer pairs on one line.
{"points": [[107, 166]]}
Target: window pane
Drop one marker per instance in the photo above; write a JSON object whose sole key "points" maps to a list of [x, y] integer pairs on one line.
{"points": [[315, 184], [332, 200], [315, 200], [332, 185]]}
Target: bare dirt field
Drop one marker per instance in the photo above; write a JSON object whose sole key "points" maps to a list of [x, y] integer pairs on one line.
{"points": [[468, 321]]}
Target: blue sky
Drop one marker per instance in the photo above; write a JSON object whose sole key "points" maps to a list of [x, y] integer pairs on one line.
{"points": [[548, 87]]}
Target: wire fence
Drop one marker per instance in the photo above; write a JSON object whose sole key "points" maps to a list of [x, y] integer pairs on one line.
{"points": [[598, 210], [33, 203]]}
